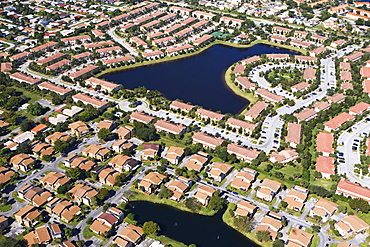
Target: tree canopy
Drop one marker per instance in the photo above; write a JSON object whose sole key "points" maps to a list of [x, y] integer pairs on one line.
{"points": [[151, 227]]}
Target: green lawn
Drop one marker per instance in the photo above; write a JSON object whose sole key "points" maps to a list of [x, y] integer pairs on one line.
{"points": [[5, 208], [33, 97], [87, 233], [141, 196], [167, 240], [15, 196]]}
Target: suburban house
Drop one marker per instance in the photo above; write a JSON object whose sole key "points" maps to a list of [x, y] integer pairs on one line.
{"points": [[255, 111], [22, 162], [296, 198], [242, 153], [150, 151], [284, 156], [103, 223], [197, 161], [43, 235], [219, 171], [125, 132], [129, 236], [336, 98], [244, 208], [359, 108], [351, 225], [298, 237], [268, 189], [51, 139], [244, 179], [5, 175], [203, 194], [151, 181], [177, 105], [294, 134], [334, 123], [42, 149], [87, 100], [325, 165], [124, 163], [121, 145], [164, 125], [34, 194], [271, 225], [54, 180], [306, 114], [324, 143], [268, 96], [207, 140], [79, 128], [83, 194], [206, 114], [96, 152], [323, 208], [63, 209], [106, 124], [27, 216], [353, 190], [179, 186], [108, 176], [174, 155], [240, 125], [141, 117], [80, 162]]}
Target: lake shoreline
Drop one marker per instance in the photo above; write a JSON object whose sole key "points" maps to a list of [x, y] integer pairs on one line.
{"points": [[217, 42], [224, 212], [210, 72]]}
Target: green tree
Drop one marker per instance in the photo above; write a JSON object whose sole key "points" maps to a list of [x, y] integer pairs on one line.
{"points": [[73, 173], [243, 223], [24, 148], [27, 125], [359, 204], [164, 192], [216, 202], [35, 109], [63, 189], [263, 236], [151, 227], [105, 134], [278, 243], [192, 204], [103, 193], [60, 146]]}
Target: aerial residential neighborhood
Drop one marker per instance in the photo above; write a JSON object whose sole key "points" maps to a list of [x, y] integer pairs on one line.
{"points": [[104, 143]]}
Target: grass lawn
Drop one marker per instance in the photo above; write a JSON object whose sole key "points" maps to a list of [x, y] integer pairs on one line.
{"points": [[167, 240], [87, 233], [5, 208], [226, 217], [140, 196], [15, 196], [33, 97], [249, 96], [170, 142]]}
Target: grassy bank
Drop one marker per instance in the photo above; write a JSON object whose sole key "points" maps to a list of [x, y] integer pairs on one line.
{"points": [[228, 219], [140, 196], [166, 240], [229, 82], [216, 42]]}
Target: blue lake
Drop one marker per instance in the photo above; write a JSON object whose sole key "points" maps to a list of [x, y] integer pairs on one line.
{"points": [[197, 79], [189, 228]]}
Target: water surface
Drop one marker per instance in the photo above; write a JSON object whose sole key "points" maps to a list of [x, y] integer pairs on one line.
{"points": [[198, 79], [189, 228]]}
